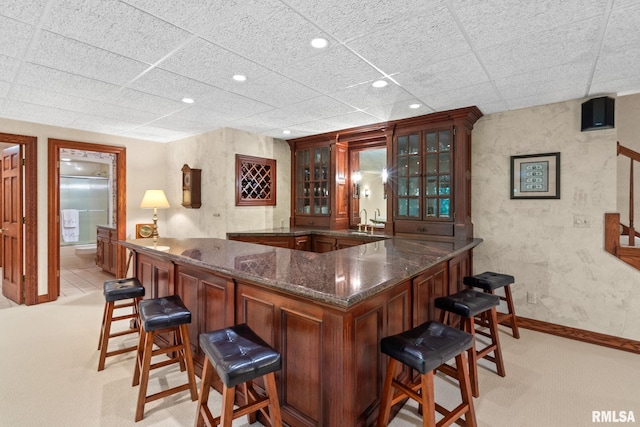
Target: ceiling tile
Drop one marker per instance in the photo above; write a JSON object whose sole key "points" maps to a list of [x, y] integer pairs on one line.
{"points": [[443, 76], [267, 31], [44, 97], [208, 63], [78, 58], [4, 90], [623, 31], [58, 81], [171, 85], [318, 108], [231, 105], [278, 90], [24, 111], [546, 98], [115, 26], [462, 97], [348, 120], [490, 23], [418, 42], [538, 81], [103, 124], [8, 68], [350, 19], [399, 110], [337, 68], [177, 12], [267, 120], [27, 11], [203, 116], [14, 37], [571, 43], [156, 133], [143, 101], [365, 95]]}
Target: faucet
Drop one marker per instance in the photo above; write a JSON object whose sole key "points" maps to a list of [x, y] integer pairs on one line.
{"points": [[375, 214], [365, 218]]}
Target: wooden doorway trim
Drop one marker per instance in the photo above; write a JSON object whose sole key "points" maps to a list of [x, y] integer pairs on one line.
{"points": [[54, 206], [30, 209]]}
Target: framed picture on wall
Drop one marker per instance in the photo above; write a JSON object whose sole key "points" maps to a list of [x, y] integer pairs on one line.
{"points": [[535, 176]]}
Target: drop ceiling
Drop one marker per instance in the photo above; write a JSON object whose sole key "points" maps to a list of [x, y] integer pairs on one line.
{"points": [[123, 67]]}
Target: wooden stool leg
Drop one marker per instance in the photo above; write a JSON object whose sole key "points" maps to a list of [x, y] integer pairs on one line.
{"points": [[139, 357], [104, 317], [274, 405], [104, 335], [465, 389], [387, 394], [428, 401], [495, 338], [469, 326], [186, 355], [203, 414], [144, 374], [228, 395], [512, 312]]}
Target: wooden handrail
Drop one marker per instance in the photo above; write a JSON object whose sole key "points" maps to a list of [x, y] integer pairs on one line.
{"points": [[627, 152]]}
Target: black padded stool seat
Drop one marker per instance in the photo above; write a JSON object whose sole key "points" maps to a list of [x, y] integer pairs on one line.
{"points": [[160, 315], [425, 348], [114, 291], [489, 282], [239, 356], [471, 305], [467, 303], [119, 289]]}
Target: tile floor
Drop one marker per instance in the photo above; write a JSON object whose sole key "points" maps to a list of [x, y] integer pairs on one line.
{"points": [[73, 281]]}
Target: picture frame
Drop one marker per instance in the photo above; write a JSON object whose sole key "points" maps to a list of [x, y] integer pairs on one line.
{"points": [[144, 231], [535, 176]]}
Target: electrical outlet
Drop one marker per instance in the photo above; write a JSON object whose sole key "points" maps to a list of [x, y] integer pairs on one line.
{"points": [[581, 221], [532, 297]]}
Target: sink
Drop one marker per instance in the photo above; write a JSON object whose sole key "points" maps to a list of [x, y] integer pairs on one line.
{"points": [[377, 221]]}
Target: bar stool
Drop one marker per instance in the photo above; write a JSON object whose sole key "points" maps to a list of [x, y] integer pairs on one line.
{"points": [[489, 282], [425, 348], [160, 315], [239, 356], [114, 291], [468, 304]]}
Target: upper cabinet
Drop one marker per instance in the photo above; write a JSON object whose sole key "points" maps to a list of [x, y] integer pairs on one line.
{"points": [[428, 187], [431, 174], [319, 183]]}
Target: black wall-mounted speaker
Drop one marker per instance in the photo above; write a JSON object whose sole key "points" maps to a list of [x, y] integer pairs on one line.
{"points": [[597, 113]]}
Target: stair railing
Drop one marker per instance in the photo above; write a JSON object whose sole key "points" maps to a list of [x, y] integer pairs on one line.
{"points": [[633, 156]]}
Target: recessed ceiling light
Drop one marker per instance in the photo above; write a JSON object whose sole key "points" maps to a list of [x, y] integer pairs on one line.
{"points": [[319, 43], [286, 132], [188, 100], [414, 106], [380, 83], [239, 78]]}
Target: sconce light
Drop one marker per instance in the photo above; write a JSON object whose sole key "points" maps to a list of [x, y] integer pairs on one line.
{"points": [[366, 192], [385, 176], [356, 178], [154, 199]]}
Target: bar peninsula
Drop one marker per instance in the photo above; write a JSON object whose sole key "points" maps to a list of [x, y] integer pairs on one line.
{"points": [[324, 312]]}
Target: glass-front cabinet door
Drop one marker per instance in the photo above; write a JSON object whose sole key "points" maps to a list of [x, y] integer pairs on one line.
{"points": [[424, 175], [312, 176]]}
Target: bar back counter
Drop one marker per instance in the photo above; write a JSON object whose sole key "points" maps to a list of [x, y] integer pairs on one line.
{"points": [[324, 312]]}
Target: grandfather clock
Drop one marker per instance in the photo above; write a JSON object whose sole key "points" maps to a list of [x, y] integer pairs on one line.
{"points": [[191, 187]]}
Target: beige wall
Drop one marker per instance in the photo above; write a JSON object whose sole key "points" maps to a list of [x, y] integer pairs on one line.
{"points": [[214, 152], [575, 282]]}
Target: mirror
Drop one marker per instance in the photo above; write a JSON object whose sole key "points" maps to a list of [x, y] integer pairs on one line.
{"points": [[371, 163]]}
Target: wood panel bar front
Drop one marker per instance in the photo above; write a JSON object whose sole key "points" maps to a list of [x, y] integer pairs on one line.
{"points": [[332, 368]]}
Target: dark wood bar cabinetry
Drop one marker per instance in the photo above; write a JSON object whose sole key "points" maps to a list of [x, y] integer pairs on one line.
{"points": [[106, 248], [324, 312]]}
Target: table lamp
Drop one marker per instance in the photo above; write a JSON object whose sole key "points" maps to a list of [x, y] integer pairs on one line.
{"points": [[157, 200]]}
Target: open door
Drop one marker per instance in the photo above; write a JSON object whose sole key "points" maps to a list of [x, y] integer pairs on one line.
{"points": [[12, 226]]}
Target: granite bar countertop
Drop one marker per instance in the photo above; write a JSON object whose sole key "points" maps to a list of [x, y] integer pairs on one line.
{"points": [[339, 278]]}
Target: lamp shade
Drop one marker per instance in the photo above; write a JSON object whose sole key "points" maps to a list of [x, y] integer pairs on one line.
{"points": [[154, 199]]}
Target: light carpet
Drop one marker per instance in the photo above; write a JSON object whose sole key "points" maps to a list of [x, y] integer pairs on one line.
{"points": [[49, 377]]}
